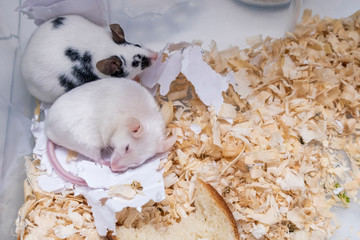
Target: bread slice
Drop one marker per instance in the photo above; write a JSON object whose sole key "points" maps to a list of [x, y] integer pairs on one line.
{"points": [[212, 220]]}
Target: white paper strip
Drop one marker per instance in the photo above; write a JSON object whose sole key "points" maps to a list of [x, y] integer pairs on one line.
{"points": [[187, 59]]}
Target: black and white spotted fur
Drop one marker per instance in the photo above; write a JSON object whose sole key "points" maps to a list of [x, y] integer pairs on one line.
{"points": [[63, 53]]}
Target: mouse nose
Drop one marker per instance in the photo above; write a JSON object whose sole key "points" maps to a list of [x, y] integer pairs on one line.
{"points": [[116, 167], [153, 56]]}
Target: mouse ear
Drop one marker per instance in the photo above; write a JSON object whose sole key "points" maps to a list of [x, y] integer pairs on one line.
{"points": [[117, 33], [109, 66], [166, 144], [135, 127]]}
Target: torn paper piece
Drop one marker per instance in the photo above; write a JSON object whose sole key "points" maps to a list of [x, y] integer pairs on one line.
{"points": [[39, 150], [37, 129], [171, 69], [208, 84], [166, 67], [53, 183], [142, 174], [104, 207]]}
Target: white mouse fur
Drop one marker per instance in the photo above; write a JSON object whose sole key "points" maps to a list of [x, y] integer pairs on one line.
{"points": [[111, 112], [63, 53]]}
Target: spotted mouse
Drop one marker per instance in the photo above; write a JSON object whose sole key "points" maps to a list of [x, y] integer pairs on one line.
{"points": [[68, 51]]}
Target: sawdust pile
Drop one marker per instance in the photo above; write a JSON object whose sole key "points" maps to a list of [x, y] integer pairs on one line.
{"points": [[284, 148]]}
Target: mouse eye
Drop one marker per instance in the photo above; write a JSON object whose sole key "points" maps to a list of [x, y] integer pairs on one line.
{"points": [[135, 63], [127, 148]]}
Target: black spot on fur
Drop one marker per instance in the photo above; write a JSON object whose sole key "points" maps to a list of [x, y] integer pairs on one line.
{"points": [[145, 62], [136, 60], [141, 59], [81, 71], [72, 54], [58, 22], [86, 59], [66, 83], [135, 63], [83, 75]]}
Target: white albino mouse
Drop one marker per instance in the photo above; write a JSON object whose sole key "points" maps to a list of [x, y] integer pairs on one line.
{"points": [[112, 113], [68, 51]]}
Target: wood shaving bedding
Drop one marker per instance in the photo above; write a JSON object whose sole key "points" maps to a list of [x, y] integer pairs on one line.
{"points": [[284, 148], [53, 216]]}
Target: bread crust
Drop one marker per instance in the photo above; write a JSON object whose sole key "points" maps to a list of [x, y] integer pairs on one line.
{"points": [[210, 196], [220, 202]]}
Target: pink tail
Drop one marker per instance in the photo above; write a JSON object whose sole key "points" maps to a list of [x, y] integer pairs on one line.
{"points": [[50, 149]]}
